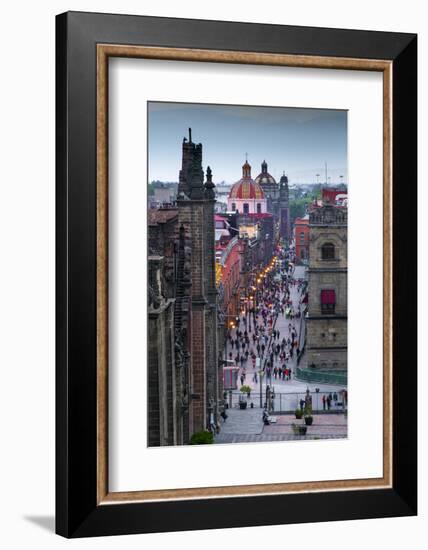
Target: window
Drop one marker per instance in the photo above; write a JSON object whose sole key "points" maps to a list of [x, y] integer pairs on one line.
{"points": [[302, 237], [327, 251], [233, 207], [246, 208], [259, 208], [328, 301]]}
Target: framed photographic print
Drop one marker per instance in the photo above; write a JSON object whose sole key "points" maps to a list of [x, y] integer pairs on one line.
{"points": [[236, 274]]}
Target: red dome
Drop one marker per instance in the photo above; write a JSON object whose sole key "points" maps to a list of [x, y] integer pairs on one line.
{"points": [[246, 188]]}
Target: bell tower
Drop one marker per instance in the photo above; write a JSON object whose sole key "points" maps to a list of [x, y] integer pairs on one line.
{"points": [[284, 209]]}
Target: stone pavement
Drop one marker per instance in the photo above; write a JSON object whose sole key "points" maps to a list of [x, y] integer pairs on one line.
{"points": [[247, 421], [246, 426]]}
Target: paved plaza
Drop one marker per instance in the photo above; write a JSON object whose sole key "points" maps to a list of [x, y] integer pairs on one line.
{"points": [[246, 426]]}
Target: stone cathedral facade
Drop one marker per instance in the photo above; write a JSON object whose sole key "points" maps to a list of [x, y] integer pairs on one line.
{"points": [[327, 320], [185, 383]]}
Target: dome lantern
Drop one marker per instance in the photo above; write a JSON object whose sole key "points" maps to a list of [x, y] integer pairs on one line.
{"points": [[265, 179]]}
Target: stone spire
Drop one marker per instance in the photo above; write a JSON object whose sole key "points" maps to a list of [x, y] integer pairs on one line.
{"points": [[191, 177], [196, 187], [209, 185]]}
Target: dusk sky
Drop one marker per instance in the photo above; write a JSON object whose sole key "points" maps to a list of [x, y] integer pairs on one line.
{"points": [[297, 141]]}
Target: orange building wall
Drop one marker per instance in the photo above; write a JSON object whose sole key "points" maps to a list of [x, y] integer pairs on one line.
{"points": [[302, 244]]}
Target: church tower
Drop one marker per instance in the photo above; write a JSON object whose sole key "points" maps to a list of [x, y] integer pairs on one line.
{"points": [[326, 324], [284, 210], [195, 202]]}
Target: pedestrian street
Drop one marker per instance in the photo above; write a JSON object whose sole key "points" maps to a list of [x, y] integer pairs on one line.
{"points": [[256, 374]]}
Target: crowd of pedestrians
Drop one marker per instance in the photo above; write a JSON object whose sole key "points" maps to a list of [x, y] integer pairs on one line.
{"points": [[256, 342]]}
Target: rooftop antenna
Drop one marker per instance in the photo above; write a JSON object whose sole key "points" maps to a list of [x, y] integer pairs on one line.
{"points": [[326, 179]]}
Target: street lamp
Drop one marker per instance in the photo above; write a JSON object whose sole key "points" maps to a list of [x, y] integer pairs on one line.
{"points": [[261, 373]]}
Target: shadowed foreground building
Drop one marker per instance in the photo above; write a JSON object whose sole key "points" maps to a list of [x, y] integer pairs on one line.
{"points": [[184, 374]]}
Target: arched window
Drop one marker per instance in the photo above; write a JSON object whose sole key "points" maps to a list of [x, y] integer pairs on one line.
{"points": [[327, 251], [246, 208], [233, 207], [259, 208]]}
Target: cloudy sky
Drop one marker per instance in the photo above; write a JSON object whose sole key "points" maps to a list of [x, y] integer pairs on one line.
{"points": [[297, 141]]}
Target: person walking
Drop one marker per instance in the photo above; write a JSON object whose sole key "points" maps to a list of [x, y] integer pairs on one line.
{"points": [[323, 402]]}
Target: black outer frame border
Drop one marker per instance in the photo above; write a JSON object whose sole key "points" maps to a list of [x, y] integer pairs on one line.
{"points": [[77, 513]]}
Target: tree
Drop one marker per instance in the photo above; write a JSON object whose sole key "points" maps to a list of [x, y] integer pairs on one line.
{"points": [[298, 208]]}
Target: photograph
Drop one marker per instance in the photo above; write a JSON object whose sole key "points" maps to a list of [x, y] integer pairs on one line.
{"points": [[247, 267]]}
